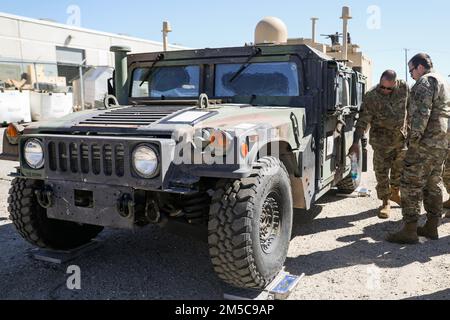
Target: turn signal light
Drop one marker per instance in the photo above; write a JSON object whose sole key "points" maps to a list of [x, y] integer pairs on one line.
{"points": [[244, 149], [12, 131]]}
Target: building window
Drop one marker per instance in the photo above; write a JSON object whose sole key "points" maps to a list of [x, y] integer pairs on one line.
{"points": [[69, 61]]}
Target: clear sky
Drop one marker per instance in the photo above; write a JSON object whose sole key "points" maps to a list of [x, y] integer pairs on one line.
{"points": [[383, 28]]}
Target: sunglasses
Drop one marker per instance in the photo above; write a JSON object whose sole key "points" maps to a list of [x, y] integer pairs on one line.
{"points": [[411, 70], [386, 88]]}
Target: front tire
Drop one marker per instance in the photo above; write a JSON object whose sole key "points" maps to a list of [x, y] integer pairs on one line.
{"points": [[250, 225], [31, 220]]}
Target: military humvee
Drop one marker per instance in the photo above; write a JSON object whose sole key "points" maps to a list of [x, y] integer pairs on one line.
{"points": [[230, 140]]}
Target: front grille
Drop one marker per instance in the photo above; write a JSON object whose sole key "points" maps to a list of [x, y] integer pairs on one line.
{"points": [[131, 116], [106, 159]]}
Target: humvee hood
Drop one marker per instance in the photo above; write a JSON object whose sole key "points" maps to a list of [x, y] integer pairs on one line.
{"points": [[168, 118], [128, 118]]}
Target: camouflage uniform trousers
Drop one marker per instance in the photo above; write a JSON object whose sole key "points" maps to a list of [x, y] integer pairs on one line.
{"points": [[421, 181], [388, 166]]}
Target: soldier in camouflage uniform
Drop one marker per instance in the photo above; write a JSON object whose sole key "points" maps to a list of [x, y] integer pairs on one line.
{"points": [[385, 110], [428, 150]]}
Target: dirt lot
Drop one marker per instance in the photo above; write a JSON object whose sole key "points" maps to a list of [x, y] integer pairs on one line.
{"points": [[341, 251]]}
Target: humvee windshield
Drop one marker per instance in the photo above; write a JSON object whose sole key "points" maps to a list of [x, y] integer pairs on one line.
{"points": [[171, 82], [273, 79], [277, 79]]}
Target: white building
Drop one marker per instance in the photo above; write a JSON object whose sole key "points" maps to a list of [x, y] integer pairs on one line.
{"points": [[39, 54], [25, 39], [44, 52]]}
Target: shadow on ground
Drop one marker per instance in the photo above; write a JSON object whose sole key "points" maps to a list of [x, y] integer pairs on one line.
{"points": [[302, 217], [149, 264], [440, 295]]}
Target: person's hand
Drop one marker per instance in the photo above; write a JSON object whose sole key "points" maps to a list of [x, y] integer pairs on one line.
{"points": [[354, 149]]}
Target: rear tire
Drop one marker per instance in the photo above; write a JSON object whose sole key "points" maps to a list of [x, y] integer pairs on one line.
{"points": [[31, 221], [250, 225]]}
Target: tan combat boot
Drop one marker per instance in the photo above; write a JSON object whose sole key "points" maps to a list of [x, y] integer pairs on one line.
{"points": [[385, 210], [430, 229], [408, 235], [395, 196]]}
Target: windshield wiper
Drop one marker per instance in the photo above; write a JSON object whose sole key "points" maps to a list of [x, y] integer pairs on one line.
{"points": [[152, 69], [246, 64]]}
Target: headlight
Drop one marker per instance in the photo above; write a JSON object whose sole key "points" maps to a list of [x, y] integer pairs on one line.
{"points": [[145, 161], [34, 153]]}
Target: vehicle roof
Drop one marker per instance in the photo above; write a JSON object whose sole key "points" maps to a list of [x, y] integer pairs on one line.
{"points": [[304, 51]]}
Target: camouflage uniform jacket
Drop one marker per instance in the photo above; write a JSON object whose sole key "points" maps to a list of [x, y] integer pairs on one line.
{"points": [[430, 112], [386, 115]]}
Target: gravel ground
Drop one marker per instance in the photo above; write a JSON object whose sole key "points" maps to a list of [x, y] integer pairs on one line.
{"points": [[341, 251]]}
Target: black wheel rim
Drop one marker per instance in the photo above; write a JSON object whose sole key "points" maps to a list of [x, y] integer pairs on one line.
{"points": [[270, 222]]}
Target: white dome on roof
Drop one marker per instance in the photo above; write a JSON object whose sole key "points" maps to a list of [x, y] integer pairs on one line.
{"points": [[271, 30]]}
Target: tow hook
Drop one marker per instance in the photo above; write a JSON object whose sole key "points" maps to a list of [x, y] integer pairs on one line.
{"points": [[44, 197], [125, 206], [152, 212]]}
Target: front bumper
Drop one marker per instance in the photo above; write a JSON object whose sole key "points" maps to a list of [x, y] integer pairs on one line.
{"points": [[92, 204]]}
